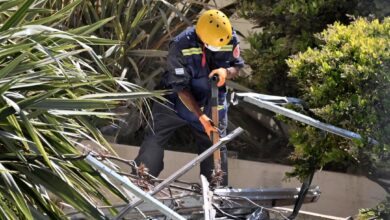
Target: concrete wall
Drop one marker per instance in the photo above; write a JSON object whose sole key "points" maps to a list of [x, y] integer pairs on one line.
{"points": [[342, 194]]}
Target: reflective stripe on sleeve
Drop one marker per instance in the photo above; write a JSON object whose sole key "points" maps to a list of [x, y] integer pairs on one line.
{"points": [[191, 51]]}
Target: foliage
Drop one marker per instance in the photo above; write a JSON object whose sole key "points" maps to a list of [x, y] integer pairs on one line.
{"points": [[381, 211], [52, 84], [287, 27], [143, 27], [346, 83]]}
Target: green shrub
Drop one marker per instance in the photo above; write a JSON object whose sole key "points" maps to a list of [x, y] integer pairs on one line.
{"points": [[346, 82], [287, 28], [381, 211]]}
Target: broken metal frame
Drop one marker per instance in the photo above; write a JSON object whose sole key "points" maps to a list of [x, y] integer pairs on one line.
{"points": [[209, 211], [185, 168], [272, 103], [148, 196], [228, 202], [133, 188]]}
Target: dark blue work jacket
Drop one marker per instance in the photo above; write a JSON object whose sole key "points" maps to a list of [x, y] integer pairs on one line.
{"points": [[188, 65]]}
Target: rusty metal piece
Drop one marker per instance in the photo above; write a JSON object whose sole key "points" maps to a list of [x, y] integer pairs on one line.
{"points": [[144, 181]]}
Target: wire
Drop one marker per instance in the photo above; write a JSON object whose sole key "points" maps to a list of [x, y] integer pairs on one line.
{"points": [[225, 213], [259, 206]]}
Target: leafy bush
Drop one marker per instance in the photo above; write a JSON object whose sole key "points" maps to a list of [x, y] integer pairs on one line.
{"points": [[287, 27], [144, 29], [346, 82], [381, 211]]}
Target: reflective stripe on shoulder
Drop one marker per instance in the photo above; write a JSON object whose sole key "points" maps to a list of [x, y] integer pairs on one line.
{"points": [[191, 51], [227, 48]]}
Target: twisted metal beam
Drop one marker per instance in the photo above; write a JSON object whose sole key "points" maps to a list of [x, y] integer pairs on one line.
{"points": [[184, 169]]}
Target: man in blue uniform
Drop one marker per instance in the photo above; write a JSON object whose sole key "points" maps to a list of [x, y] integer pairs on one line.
{"points": [[210, 48]]}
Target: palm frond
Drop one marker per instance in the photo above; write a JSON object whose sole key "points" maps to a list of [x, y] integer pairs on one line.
{"points": [[53, 84]]}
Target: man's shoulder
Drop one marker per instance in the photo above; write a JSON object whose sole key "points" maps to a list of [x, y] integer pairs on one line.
{"points": [[186, 36], [235, 40]]}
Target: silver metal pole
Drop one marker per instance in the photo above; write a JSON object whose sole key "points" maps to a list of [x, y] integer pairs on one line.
{"points": [[133, 188], [185, 169], [300, 117]]}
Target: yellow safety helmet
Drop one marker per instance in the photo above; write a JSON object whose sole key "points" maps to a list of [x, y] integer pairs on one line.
{"points": [[214, 28]]}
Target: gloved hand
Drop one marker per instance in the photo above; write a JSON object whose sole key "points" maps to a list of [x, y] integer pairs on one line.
{"points": [[207, 124], [222, 74]]}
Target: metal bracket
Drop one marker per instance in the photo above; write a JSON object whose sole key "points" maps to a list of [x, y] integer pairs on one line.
{"points": [[209, 211]]}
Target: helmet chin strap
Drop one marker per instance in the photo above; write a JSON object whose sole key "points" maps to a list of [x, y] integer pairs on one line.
{"points": [[212, 48]]}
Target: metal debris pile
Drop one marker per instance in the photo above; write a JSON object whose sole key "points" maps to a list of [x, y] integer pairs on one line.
{"points": [[171, 198], [184, 200]]}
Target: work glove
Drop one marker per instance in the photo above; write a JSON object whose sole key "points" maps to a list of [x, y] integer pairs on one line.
{"points": [[208, 125], [222, 74]]}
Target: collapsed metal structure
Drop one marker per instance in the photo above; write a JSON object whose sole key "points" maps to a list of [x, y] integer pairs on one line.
{"points": [[179, 200]]}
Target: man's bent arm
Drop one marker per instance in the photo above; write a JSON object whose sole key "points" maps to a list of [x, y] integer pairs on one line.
{"points": [[189, 101]]}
